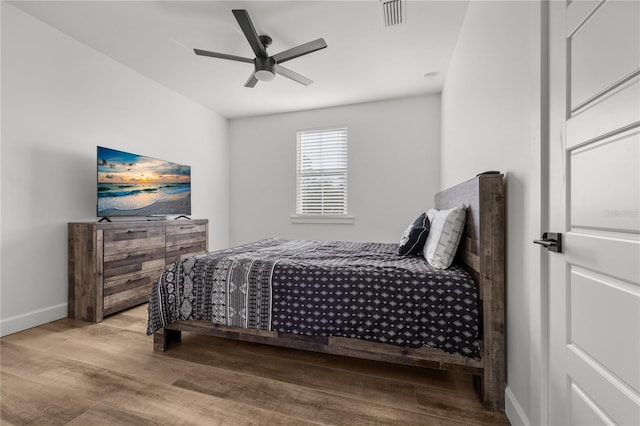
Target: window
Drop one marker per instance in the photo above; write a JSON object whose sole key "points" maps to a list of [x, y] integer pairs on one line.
{"points": [[322, 174]]}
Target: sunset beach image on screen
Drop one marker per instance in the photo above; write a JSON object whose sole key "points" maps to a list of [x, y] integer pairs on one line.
{"points": [[135, 185]]}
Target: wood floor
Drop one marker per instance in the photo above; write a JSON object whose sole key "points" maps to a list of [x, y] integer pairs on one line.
{"points": [[70, 372]]}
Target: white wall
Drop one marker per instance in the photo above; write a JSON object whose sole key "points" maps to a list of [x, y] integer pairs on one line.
{"points": [[59, 100], [491, 121], [394, 153]]}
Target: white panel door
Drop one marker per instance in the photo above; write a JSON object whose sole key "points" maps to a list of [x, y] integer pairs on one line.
{"points": [[594, 200]]}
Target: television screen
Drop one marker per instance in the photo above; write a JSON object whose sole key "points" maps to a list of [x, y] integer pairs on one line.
{"points": [[135, 185]]}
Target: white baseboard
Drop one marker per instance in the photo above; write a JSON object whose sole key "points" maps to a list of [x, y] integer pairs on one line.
{"points": [[32, 319], [513, 410]]}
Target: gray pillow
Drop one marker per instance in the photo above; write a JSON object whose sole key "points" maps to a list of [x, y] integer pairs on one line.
{"points": [[444, 235]]}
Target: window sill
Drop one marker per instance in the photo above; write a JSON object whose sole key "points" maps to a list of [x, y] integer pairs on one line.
{"points": [[327, 219]]}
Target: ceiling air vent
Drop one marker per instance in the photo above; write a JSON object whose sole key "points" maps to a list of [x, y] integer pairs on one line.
{"points": [[393, 12]]}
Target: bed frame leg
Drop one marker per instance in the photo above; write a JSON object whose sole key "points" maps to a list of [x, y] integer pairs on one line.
{"points": [[163, 337], [490, 390]]}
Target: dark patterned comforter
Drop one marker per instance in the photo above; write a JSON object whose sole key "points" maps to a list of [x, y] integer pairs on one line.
{"points": [[356, 290]]}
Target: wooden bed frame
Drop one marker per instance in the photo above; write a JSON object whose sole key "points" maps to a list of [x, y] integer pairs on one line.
{"points": [[481, 252]]}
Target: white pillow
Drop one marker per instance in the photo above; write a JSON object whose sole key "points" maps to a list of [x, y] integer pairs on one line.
{"points": [[444, 236]]}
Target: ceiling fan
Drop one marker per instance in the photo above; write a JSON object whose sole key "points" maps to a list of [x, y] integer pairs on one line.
{"points": [[265, 66]]}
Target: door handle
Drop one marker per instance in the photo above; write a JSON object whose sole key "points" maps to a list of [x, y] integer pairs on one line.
{"points": [[552, 241]]}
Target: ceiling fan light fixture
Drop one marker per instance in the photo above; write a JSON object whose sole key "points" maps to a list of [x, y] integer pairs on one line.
{"points": [[265, 68], [265, 75]]}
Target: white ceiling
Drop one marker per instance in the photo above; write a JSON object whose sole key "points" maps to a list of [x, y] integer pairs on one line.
{"points": [[364, 61]]}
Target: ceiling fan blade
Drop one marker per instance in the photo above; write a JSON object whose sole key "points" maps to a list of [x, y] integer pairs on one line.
{"points": [[286, 72], [252, 80], [242, 16], [297, 51], [222, 56]]}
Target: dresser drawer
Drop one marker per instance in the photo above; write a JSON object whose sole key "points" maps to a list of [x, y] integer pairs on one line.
{"points": [[131, 250], [132, 240], [184, 240], [122, 263], [123, 291]]}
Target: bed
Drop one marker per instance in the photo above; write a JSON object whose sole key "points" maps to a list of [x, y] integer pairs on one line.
{"points": [[293, 303]]}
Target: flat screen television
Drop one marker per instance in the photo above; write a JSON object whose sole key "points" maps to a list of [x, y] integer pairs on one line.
{"points": [[134, 185]]}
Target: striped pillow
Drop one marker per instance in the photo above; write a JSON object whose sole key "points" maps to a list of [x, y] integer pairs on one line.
{"points": [[444, 235]]}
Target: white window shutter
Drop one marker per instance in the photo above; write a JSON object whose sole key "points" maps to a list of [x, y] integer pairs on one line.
{"points": [[322, 172]]}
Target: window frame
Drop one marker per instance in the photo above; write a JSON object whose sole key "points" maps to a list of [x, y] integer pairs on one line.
{"points": [[320, 217]]}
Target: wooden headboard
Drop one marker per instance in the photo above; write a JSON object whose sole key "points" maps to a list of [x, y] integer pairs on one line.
{"points": [[481, 249], [482, 254]]}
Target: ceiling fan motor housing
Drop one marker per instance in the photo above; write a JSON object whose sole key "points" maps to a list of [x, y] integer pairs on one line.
{"points": [[265, 68]]}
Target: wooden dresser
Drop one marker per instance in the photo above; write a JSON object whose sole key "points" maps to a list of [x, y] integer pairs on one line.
{"points": [[112, 265]]}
